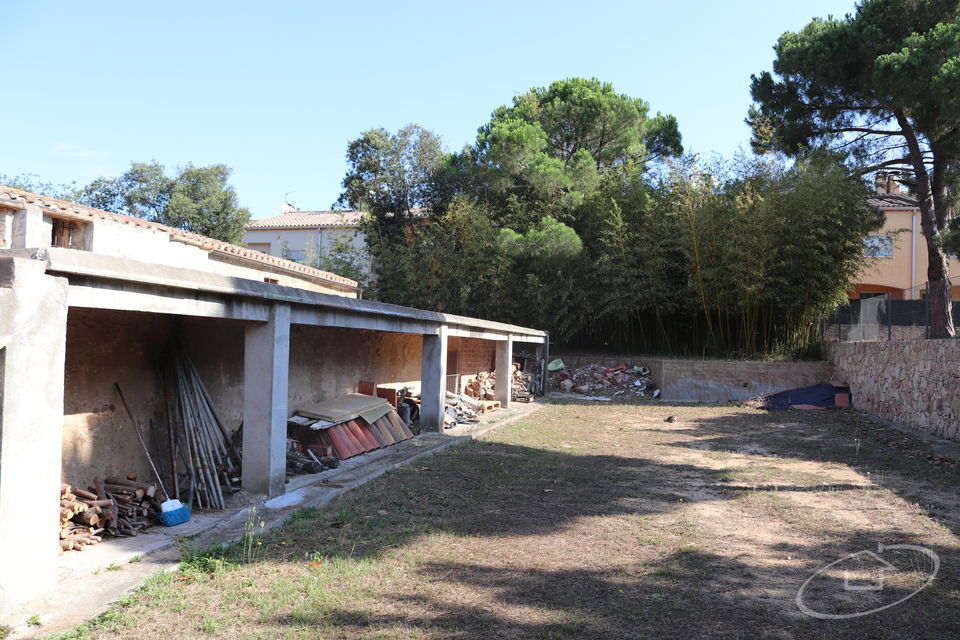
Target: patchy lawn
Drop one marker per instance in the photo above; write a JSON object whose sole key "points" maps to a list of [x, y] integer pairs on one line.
{"points": [[600, 522]]}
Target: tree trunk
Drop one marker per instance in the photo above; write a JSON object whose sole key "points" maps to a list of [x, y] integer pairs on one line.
{"points": [[939, 299]]}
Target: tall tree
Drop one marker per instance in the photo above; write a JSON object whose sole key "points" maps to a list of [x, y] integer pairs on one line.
{"points": [[552, 145], [390, 175], [196, 199], [880, 85]]}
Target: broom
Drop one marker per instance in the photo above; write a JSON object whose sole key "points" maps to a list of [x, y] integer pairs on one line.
{"points": [[172, 512]]}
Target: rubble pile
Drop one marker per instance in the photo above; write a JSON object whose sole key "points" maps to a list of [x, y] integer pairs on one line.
{"points": [[461, 409], [611, 381]]}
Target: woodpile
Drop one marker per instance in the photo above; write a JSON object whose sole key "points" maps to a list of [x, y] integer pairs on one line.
{"points": [[116, 507], [80, 518], [481, 386]]}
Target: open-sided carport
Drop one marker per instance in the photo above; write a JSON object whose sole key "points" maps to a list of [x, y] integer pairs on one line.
{"points": [[248, 325]]}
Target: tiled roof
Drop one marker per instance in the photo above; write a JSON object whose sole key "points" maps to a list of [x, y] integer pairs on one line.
{"points": [[309, 220], [893, 201], [74, 210]]}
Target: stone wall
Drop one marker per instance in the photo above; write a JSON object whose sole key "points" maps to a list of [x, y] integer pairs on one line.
{"points": [[715, 380], [913, 382]]}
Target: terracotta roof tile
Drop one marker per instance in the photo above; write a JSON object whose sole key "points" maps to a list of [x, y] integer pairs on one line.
{"points": [[893, 201], [309, 220], [72, 209]]}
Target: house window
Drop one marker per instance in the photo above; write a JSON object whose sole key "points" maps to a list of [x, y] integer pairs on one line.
{"points": [[878, 246], [65, 233]]}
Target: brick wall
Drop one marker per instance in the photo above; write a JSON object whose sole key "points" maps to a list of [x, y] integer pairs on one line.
{"points": [[469, 356], [913, 382]]}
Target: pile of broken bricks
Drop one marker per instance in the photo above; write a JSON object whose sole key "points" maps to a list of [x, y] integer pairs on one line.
{"points": [[596, 379]]}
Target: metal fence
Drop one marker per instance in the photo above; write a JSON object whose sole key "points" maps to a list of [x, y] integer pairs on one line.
{"points": [[899, 315]]}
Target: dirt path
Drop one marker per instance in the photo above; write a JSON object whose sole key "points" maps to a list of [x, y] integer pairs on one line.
{"points": [[603, 522]]}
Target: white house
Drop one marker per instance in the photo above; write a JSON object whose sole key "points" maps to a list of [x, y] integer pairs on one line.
{"points": [[302, 235]]}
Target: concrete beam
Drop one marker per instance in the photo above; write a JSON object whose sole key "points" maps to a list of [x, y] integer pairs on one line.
{"points": [[504, 370], [129, 296], [320, 317], [33, 329], [266, 363], [466, 332], [433, 381]]}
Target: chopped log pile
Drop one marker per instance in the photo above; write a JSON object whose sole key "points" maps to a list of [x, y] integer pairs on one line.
{"points": [[119, 507], [482, 385]]}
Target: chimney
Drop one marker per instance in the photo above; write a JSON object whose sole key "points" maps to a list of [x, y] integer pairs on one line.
{"points": [[880, 183], [893, 185]]}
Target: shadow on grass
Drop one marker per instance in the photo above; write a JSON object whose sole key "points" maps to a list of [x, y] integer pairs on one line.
{"points": [[686, 594], [496, 489]]}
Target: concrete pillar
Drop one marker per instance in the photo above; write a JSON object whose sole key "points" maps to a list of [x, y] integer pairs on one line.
{"points": [[33, 329], [433, 381], [30, 230], [504, 369], [266, 363]]}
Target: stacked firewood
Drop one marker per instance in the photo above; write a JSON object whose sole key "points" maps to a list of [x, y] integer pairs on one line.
{"points": [[135, 502], [116, 507], [481, 386], [80, 518]]}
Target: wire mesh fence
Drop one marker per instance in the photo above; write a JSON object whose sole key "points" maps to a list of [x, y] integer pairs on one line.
{"points": [[902, 314]]}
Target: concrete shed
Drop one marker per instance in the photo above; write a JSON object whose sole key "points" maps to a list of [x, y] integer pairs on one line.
{"points": [[90, 298]]}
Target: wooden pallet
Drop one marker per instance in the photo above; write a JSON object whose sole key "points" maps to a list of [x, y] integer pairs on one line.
{"points": [[490, 405]]}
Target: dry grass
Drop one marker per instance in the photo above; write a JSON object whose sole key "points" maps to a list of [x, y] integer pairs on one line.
{"points": [[595, 522]]}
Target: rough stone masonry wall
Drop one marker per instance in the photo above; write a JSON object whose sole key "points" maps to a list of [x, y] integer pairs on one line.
{"points": [[913, 382]]}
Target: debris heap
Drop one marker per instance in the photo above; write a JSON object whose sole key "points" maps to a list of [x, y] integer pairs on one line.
{"points": [[593, 379]]}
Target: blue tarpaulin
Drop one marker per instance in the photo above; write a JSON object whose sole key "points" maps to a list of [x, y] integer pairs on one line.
{"points": [[817, 396]]}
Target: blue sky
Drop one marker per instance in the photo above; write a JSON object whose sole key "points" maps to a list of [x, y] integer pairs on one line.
{"points": [[277, 89]]}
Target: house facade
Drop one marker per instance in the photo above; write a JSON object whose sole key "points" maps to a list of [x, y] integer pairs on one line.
{"points": [[897, 252], [302, 236]]}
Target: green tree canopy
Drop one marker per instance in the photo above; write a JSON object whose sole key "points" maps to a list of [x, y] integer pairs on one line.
{"points": [[390, 175], [196, 199], [879, 85], [34, 184], [550, 147]]}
